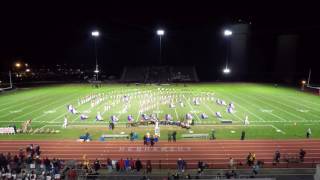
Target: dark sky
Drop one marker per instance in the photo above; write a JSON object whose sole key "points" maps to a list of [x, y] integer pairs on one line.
{"points": [[51, 32]]}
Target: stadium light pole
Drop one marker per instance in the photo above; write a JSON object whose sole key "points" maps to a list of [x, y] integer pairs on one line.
{"points": [[227, 33], [95, 34], [160, 33]]}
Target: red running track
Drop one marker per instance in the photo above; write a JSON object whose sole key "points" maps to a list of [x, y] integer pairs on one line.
{"points": [[164, 155]]}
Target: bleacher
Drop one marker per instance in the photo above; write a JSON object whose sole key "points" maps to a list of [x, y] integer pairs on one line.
{"points": [[184, 74], [134, 74], [159, 74]]}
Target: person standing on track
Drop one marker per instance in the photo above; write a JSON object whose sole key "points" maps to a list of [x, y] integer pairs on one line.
{"points": [[302, 154]]}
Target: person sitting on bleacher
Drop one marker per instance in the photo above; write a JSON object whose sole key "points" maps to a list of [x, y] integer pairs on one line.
{"points": [[218, 114], [204, 116]]}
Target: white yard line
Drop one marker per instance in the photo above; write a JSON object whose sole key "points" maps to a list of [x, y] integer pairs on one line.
{"points": [[240, 106], [299, 104], [277, 107], [278, 117], [175, 110], [192, 108], [22, 101], [25, 107], [277, 129]]}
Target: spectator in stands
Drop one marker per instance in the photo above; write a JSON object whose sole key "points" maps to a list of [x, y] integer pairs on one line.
{"points": [[132, 164], [250, 159], [180, 164], [277, 156], [96, 165], [201, 167], [47, 163], [72, 174], [109, 164], [138, 165], [231, 163], [234, 174], [302, 154], [149, 167], [121, 165], [255, 169], [37, 150], [21, 155], [127, 164]]}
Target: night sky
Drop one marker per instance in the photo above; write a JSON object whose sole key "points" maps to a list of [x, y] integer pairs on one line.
{"points": [[281, 41]]}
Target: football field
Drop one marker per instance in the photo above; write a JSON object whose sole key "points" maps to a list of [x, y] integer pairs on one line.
{"points": [[274, 112]]}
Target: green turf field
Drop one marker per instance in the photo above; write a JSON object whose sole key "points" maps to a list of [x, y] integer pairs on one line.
{"points": [[274, 112]]}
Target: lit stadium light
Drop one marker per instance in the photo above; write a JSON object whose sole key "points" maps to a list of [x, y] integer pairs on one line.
{"points": [[160, 32], [226, 70], [227, 32], [96, 71], [95, 33], [18, 65]]}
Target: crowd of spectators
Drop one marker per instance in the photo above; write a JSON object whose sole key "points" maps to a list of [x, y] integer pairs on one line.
{"points": [[27, 164]]}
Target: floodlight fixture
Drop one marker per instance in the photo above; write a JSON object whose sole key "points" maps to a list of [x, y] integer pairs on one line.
{"points": [[160, 32], [303, 82], [28, 70], [95, 33], [226, 70], [227, 32]]}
